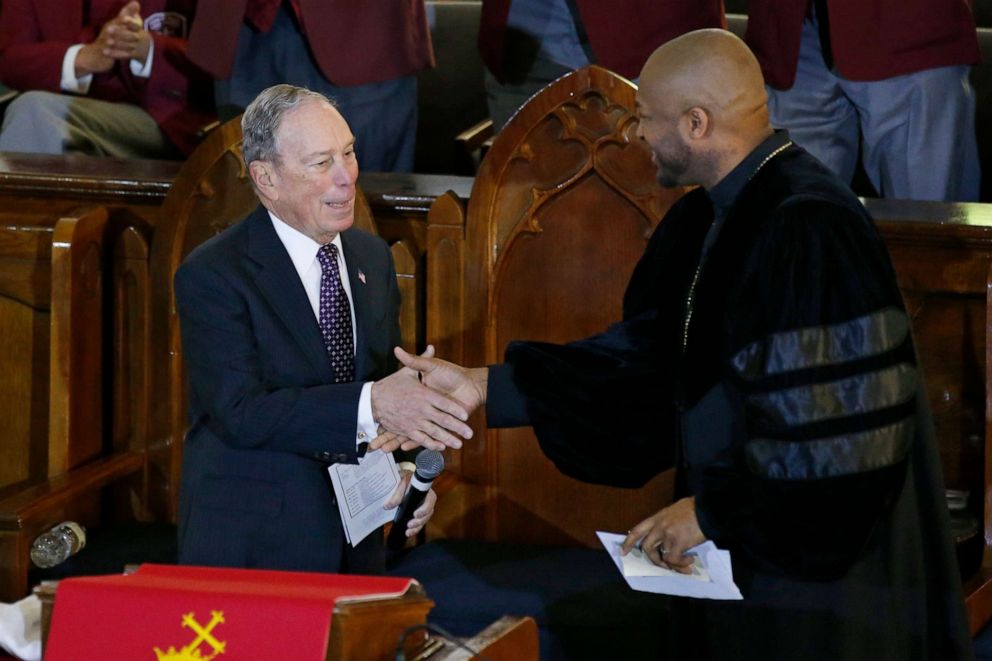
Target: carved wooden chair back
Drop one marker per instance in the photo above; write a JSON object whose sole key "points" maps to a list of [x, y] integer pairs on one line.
{"points": [[561, 210]]}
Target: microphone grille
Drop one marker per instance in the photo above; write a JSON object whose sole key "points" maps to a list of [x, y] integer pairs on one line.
{"points": [[429, 463]]}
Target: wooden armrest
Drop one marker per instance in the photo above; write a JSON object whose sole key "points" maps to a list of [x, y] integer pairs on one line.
{"points": [[477, 136], [34, 500], [205, 130]]}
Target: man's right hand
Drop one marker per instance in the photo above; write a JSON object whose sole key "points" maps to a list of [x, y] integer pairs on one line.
{"points": [[401, 404], [467, 386], [121, 38]]}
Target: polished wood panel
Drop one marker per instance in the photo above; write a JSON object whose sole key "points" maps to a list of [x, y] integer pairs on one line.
{"points": [[510, 638], [371, 630], [25, 291], [943, 259], [75, 410], [55, 463]]}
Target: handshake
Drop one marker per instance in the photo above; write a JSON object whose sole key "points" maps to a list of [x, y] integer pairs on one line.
{"points": [[426, 403]]}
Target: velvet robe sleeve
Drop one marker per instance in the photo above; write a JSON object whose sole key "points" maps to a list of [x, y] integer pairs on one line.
{"points": [[825, 374], [602, 408]]}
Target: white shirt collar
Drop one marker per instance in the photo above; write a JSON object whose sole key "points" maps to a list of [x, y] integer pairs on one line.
{"points": [[301, 248]]}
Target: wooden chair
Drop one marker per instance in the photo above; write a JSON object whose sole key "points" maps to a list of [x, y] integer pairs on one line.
{"points": [[56, 460], [211, 192], [560, 213]]}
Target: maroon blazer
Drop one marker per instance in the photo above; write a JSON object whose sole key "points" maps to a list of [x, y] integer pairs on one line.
{"points": [[622, 33], [353, 41], [869, 39], [35, 34]]}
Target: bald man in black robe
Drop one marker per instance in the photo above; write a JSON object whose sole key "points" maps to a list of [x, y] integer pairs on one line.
{"points": [[766, 352]]}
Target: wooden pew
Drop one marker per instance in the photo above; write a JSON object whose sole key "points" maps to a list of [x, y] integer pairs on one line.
{"points": [[56, 462], [131, 190], [943, 259]]}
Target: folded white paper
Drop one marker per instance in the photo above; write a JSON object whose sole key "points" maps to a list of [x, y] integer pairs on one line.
{"points": [[712, 576], [636, 563], [361, 490]]}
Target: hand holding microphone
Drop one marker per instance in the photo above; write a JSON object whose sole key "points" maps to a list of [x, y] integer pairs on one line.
{"points": [[429, 465]]}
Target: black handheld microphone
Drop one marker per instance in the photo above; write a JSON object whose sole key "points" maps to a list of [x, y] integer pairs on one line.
{"points": [[429, 463]]}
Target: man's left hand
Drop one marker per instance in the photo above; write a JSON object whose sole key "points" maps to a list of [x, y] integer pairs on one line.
{"points": [[665, 537], [422, 514], [126, 37]]}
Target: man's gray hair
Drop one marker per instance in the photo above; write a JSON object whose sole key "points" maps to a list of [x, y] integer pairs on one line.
{"points": [[263, 115]]}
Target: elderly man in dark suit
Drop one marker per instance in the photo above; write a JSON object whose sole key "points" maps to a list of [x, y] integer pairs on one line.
{"points": [[287, 319]]}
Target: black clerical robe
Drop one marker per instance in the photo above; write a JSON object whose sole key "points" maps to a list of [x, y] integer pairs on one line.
{"points": [[766, 352]]}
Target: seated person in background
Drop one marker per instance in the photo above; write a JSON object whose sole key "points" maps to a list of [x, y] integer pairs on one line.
{"points": [[101, 77], [887, 78], [364, 55], [527, 44], [287, 320], [765, 351]]}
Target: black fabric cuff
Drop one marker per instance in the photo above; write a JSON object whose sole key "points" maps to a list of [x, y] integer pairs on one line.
{"points": [[506, 405]]}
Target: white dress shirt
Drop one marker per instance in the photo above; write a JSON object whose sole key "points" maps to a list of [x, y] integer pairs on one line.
{"points": [[81, 85], [303, 252]]}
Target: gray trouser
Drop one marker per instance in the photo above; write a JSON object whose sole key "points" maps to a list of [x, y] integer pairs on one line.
{"points": [[504, 99], [382, 116], [917, 131], [49, 123]]}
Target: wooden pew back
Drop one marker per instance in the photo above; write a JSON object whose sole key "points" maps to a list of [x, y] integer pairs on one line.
{"points": [[25, 299], [56, 458], [560, 212], [51, 280]]}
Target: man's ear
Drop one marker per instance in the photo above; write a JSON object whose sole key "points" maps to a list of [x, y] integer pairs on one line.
{"points": [[697, 123], [266, 179]]}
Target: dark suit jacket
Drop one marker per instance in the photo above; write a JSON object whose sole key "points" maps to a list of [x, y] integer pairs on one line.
{"points": [[35, 34], [870, 39], [353, 43], [265, 416]]}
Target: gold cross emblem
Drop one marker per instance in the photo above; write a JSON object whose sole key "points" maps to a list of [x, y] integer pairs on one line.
{"points": [[191, 652]]}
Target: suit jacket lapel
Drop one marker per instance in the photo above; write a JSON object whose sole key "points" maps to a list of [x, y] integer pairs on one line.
{"points": [[358, 274], [280, 284]]}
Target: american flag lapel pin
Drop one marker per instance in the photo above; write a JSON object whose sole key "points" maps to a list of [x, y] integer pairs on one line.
{"points": [[361, 276]]}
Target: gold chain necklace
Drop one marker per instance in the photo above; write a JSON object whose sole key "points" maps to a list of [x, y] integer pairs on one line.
{"points": [[769, 157], [699, 267]]}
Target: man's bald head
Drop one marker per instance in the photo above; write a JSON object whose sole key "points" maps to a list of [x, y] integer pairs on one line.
{"points": [[709, 85]]}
